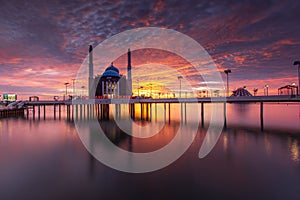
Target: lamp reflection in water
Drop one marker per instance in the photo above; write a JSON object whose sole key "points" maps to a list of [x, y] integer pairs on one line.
{"points": [[225, 141], [267, 144], [294, 149]]}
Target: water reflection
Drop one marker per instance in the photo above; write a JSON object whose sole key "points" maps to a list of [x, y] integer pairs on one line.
{"points": [[225, 142], [294, 149], [268, 145], [40, 157]]}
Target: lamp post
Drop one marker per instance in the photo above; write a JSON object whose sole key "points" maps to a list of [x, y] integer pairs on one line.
{"points": [[73, 82], [82, 90], [179, 78], [292, 89], [66, 84], [227, 71], [138, 87], [298, 63], [150, 89], [266, 90], [139, 90]]}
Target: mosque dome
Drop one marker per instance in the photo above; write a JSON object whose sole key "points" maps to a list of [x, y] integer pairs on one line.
{"points": [[111, 71], [113, 68]]}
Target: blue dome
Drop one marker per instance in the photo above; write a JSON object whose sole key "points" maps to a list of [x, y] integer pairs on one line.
{"points": [[110, 73], [112, 68]]}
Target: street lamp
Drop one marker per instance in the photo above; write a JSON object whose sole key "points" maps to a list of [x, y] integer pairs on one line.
{"points": [[150, 89], [179, 78], [298, 63], [227, 71], [139, 90], [266, 90], [66, 84], [292, 88], [82, 90], [138, 80], [73, 82]]}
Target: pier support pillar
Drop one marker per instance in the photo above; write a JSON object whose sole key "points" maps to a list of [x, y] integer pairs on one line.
{"points": [[84, 105], [185, 112], [44, 112], [225, 120], [262, 116], [72, 112], [133, 111], [98, 111], [181, 112], [54, 110], [169, 109], [68, 112], [27, 112], [155, 111], [59, 111], [165, 112], [88, 111], [76, 111], [202, 114], [39, 112], [79, 111], [147, 111], [141, 111], [150, 112], [33, 112]]}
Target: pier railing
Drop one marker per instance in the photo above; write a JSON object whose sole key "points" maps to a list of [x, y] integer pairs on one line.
{"points": [[241, 99]]}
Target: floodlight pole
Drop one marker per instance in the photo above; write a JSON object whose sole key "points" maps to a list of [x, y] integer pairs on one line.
{"points": [[179, 78], [227, 71], [298, 63]]}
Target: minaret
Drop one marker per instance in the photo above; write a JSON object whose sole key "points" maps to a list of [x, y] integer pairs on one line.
{"points": [[129, 80], [91, 71]]}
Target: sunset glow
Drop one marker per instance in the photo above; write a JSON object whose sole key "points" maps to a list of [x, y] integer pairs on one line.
{"points": [[42, 50]]}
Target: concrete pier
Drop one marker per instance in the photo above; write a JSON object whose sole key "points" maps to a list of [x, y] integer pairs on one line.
{"points": [[100, 108]]}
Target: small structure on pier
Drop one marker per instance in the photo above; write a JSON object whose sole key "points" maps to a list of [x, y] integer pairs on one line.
{"points": [[241, 92], [34, 98], [288, 90]]}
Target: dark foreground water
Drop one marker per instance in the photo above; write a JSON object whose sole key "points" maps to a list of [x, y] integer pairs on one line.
{"points": [[45, 159]]}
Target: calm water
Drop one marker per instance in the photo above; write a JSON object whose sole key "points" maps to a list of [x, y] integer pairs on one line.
{"points": [[45, 159]]}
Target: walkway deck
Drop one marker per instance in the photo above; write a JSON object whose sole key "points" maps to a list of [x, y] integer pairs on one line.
{"points": [[253, 99]]}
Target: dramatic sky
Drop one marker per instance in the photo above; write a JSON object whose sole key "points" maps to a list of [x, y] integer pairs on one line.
{"points": [[43, 43]]}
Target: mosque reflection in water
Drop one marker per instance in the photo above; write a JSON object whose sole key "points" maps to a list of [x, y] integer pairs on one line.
{"points": [[150, 118]]}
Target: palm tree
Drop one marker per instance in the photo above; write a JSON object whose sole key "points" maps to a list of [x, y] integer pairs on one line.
{"points": [[255, 91]]}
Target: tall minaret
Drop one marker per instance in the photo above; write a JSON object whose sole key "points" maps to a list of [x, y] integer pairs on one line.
{"points": [[91, 71], [129, 80]]}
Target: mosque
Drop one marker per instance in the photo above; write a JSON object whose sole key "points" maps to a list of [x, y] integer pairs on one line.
{"points": [[111, 84]]}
